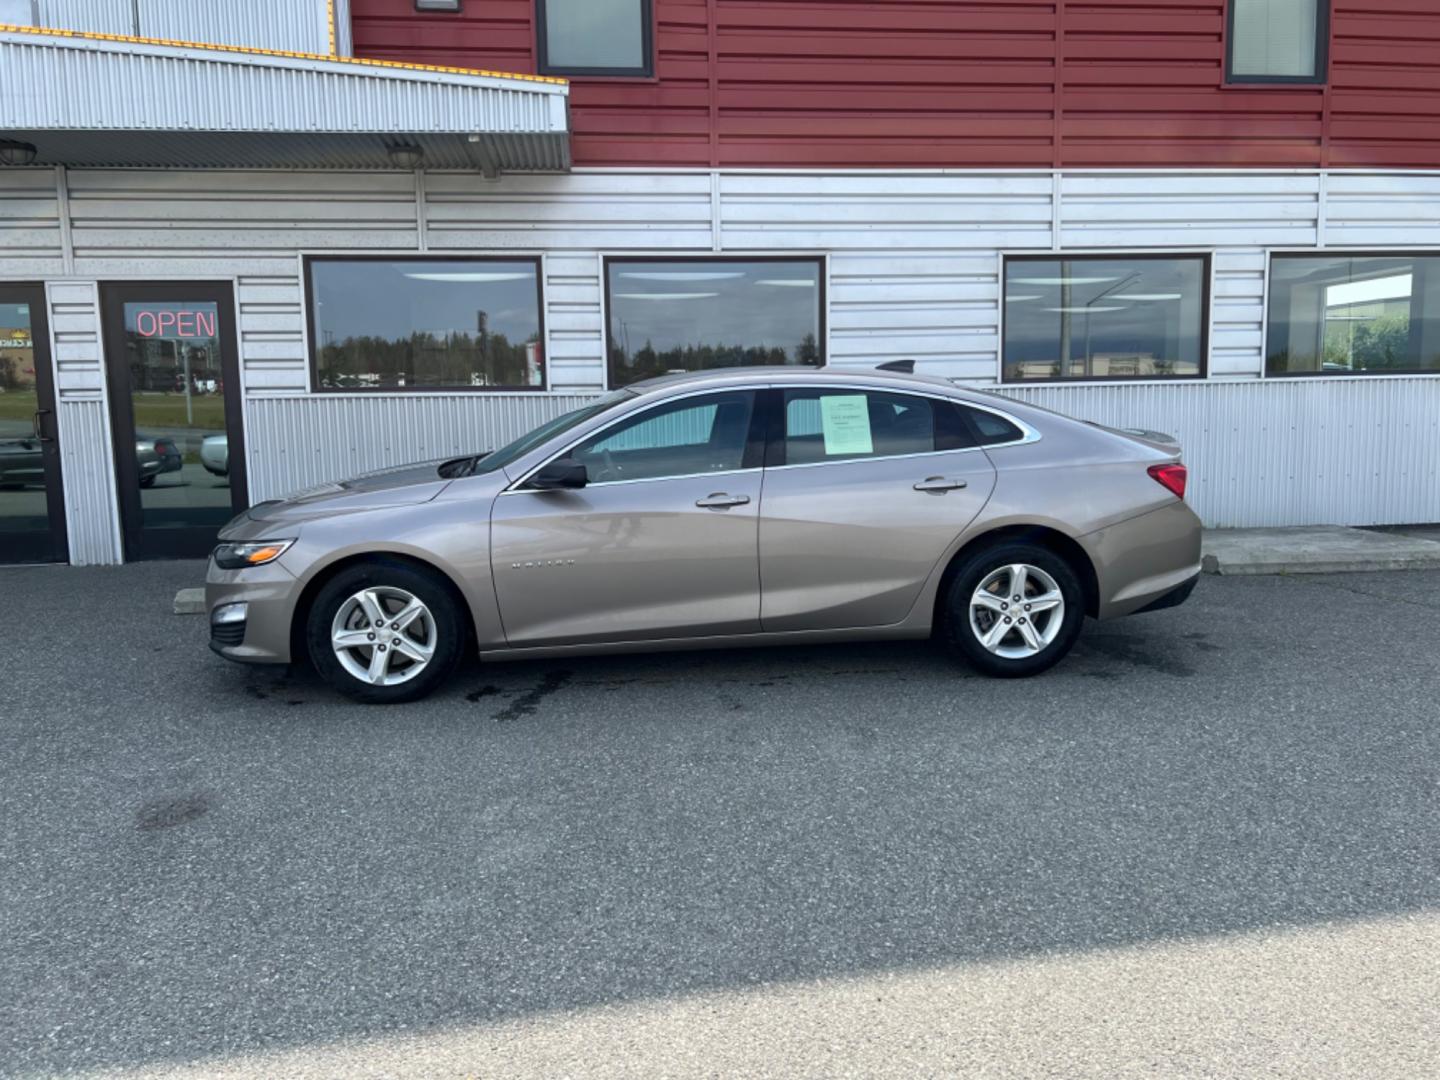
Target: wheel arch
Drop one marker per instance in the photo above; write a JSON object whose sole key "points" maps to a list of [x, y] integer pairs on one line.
{"points": [[300, 615], [1063, 546]]}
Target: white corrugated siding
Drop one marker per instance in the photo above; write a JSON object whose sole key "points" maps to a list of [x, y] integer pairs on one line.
{"points": [[914, 261], [296, 25], [296, 442], [30, 239], [86, 461], [79, 84], [1352, 451]]}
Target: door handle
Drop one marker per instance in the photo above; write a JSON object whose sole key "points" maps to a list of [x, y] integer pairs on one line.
{"points": [[721, 501], [40, 435], [941, 484]]}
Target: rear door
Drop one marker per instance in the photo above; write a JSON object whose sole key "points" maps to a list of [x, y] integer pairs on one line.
{"points": [[661, 543], [864, 492]]}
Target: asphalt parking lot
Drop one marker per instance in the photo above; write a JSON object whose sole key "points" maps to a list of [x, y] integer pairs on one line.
{"points": [[1208, 844]]}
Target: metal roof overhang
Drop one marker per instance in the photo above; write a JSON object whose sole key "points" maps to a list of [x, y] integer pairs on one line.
{"points": [[96, 100]]}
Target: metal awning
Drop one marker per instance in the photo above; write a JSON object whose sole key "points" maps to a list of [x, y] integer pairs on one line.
{"points": [[103, 100]]}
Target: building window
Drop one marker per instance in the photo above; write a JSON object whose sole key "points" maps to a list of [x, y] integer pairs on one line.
{"points": [[670, 315], [594, 37], [1105, 317], [425, 324], [1280, 41], [1353, 314]]}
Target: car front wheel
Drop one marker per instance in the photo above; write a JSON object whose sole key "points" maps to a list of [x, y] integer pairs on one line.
{"points": [[385, 632], [1014, 610]]}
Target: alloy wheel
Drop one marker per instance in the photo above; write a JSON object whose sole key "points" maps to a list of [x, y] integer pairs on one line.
{"points": [[383, 636], [1017, 611]]}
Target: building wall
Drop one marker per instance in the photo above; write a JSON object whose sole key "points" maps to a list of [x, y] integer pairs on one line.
{"points": [[831, 83], [913, 270]]}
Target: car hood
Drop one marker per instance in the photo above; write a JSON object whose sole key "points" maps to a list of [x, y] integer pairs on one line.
{"points": [[403, 486]]}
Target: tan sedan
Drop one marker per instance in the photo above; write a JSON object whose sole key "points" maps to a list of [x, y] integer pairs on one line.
{"points": [[740, 507]]}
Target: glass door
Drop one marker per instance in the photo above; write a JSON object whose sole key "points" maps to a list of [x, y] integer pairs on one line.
{"points": [[175, 414], [32, 505]]}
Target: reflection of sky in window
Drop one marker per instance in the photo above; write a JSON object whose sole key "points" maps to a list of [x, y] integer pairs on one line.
{"points": [[393, 300], [1125, 305], [673, 305], [594, 33], [14, 315]]}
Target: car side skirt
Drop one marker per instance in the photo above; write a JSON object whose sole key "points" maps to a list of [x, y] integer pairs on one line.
{"points": [[898, 632]]}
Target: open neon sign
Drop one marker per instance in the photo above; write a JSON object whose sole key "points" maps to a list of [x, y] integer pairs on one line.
{"points": [[172, 323]]}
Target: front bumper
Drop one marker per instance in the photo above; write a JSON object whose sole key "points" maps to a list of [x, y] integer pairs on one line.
{"points": [[269, 594]]}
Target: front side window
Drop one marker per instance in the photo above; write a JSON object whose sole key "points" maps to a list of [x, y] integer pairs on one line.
{"points": [[1277, 41], [594, 37], [1105, 317], [838, 425], [426, 324], [681, 438], [672, 315], [1353, 314]]}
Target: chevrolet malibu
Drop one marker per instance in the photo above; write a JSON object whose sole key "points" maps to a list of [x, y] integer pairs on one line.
{"points": [[728, 508]]}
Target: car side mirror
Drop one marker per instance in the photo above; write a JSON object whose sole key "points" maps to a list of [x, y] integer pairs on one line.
{"points": [[560, 474]]}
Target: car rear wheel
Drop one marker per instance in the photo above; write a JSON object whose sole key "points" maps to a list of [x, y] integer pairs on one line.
{"points": [[385, 632], [1014, 610]]}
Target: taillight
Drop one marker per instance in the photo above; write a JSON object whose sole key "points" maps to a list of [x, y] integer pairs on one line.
{"points": [[1172, 476]]}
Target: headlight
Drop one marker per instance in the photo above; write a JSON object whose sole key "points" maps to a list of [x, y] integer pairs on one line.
{"points": [[256, 553]]}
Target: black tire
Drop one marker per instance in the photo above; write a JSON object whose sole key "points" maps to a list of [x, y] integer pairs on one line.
{"points": [[147, 481], [961, 633], [450, 628]]}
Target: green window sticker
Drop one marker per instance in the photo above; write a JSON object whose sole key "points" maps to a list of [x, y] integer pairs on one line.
{"points": [[845, 421]]}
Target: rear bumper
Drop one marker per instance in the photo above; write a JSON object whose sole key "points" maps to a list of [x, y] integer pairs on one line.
{"points": [[1174, 598], [1146, 559]]}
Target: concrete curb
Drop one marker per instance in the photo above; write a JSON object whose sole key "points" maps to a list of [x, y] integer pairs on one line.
{"points": [[192, 602], [1325, 549]]}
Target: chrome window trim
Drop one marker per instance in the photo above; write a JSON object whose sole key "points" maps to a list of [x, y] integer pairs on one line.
{"points": [[637, 480], [1028, 433], [620, 420]]}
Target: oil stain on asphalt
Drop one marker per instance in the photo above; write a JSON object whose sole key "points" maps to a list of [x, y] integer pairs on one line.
{"points": [[166, 813]]}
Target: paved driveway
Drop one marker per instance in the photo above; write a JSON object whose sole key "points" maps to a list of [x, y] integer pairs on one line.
{"points": [[1208, 844]]}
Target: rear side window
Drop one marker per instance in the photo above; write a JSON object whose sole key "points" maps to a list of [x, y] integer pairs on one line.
{"points": [[991, 429], [839, 425]]}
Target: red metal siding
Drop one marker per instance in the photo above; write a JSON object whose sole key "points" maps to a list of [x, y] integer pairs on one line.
{"points": [[964, 83]]}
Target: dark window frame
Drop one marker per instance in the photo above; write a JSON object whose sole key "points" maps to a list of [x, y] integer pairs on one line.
{"points": [[186, 542], [1206, 259], [312, 329], [1334, 253], [821, 286], [1322, 53], [647, 48]]}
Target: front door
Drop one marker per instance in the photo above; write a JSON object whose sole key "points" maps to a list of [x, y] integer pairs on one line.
{"points": [[32, 505], [175, 415], [661, 543], [863, 495]]}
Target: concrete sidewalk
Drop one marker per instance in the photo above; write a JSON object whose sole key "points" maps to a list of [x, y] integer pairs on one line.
{"points": [[1319, 549]]}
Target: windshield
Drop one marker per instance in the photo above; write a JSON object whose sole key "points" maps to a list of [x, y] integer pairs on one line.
{"points": [[506, 454]]}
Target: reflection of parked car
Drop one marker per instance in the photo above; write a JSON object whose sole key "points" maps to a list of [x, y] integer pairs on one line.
{"points": [[21, 463], [215, 455], [156, 456]]}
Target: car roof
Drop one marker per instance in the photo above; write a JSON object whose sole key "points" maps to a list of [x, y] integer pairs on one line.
{"points": [[789, 373]]}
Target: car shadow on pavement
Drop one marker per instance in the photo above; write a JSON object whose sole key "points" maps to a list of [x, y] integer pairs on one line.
{"points": [[204, 860]]}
